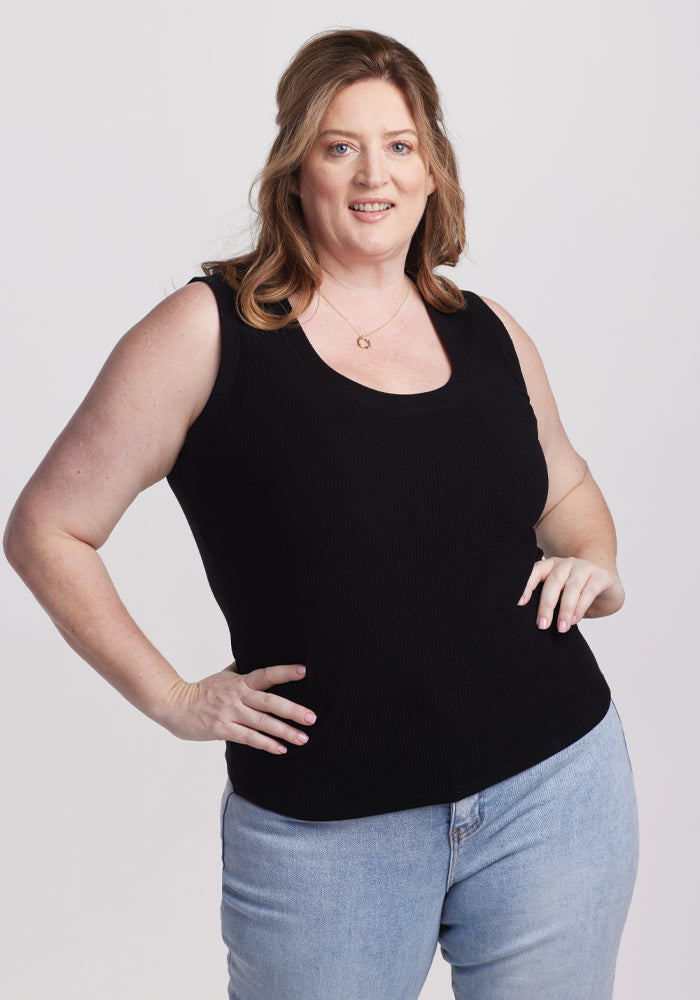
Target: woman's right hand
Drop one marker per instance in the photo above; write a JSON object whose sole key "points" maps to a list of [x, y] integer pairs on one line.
{"points": [[237, 707]]}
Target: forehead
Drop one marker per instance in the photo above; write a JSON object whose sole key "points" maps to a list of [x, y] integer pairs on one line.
{"points": [[371, 105]]}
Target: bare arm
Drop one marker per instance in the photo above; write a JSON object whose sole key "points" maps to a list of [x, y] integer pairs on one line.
{"points": [[576, 530], [580, 524], [124, 437]]}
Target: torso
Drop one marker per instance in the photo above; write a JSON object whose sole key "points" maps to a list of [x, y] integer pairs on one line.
{"points": [[383, 540], [405, 357]]}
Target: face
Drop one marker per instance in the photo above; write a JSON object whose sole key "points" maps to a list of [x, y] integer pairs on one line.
{"points": [[364, 185]]}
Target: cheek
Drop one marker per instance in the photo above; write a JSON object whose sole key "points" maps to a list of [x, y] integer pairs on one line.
{"points": [[419, 184], [317, 182], [428, 184], [320, 199]]}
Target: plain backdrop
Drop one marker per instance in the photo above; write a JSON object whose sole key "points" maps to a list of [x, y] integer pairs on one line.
{"points": [[131, 134]]}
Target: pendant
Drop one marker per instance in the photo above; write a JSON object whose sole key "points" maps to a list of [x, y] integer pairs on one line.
{"points": [[366, 342]]}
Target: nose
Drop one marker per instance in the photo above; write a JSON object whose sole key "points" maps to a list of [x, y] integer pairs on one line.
{"points": [[372, 169]]}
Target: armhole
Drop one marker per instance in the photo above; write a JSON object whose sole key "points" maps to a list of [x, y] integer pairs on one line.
{"points": [[229, 346], [502, 336]]}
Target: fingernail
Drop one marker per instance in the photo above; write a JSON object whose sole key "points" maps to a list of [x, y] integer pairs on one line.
{"points": [[574, 620], [522, 600], [281, 749], [561, 625], [301, 670], [542, 623], [309, 717], [302, 737]]}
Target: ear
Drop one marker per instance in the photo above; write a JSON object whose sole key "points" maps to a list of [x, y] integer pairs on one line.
{"points": [[432, 183], [294, 183]]}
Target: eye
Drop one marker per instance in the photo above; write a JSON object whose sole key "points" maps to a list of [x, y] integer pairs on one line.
{"points": [[339, 148], [401, 147]]}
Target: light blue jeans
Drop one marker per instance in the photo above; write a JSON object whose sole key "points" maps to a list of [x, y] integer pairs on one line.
{"points": [[525, 886]]}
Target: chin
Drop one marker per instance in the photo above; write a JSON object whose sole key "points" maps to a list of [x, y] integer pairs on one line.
{"points": [[381, 248]]}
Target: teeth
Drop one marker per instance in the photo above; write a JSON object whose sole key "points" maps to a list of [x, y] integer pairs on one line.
{"points": [[374, 206]]}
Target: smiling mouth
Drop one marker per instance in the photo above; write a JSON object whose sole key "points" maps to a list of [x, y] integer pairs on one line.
{"points": [[370, 206]]}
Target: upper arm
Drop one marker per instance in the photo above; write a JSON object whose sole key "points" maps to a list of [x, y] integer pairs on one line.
{"points": [[565, 467], [128, 431]]}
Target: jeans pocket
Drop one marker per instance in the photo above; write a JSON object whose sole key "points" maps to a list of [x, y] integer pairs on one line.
{"points": [[225, 799], [622, 733]]}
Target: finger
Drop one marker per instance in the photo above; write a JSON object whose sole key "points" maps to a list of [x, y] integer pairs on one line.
{"points": [[254, 738], [539, 572], [275, 704], [266, 677], [569, 600], [589, 593], [551, 590], [263, 721], [256, 729]]}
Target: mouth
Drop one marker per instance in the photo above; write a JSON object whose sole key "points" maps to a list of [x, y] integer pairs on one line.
{"points": [[370, 206]]}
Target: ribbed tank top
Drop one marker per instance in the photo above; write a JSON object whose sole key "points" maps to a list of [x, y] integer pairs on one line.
{"points": [[383, 540]]}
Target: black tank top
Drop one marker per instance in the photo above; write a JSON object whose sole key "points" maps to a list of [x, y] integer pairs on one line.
{"points": [[383, 540]]}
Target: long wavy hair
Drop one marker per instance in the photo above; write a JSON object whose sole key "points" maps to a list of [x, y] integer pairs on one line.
{"points": [[284, 260]]}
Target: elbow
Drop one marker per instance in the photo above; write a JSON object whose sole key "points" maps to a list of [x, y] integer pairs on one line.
{"points": [[13, 542], [20, 537]]}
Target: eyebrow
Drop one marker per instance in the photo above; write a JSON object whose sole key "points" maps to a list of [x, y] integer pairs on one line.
{"points": [[353, 135]]}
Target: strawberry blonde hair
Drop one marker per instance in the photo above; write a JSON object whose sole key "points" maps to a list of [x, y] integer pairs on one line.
{"points": [[284, 260]]}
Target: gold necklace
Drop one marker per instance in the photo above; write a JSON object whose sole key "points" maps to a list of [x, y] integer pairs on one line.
{"points": [[365, 336]]}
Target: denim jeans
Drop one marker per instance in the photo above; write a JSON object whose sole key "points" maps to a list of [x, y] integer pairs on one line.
{"points": [[525, 887]]}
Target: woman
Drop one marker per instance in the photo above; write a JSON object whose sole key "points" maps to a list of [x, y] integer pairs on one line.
{"points": [[420, 745]]}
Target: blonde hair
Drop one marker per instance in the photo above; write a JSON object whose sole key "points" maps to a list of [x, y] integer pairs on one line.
{"points": [[284, 259]]}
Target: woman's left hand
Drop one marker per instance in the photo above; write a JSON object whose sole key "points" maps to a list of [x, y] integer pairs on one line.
{"points": [[581, 588]]}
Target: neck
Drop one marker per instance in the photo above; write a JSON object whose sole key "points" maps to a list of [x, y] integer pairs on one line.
{"points": [[361, 292], [368, 291], [364, 277]]}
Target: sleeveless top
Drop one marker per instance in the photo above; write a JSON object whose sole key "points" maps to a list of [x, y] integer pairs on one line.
{"points": [[383, 540]]}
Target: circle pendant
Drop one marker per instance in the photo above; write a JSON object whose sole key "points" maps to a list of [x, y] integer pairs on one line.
{"points": [[363, 342]]}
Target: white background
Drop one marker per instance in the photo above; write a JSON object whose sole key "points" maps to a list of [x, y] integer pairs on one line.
{"points": [[133, 131]]}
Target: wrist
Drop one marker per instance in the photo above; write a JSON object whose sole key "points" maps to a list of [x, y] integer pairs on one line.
{"points": [[609, 601], [164, 705]]}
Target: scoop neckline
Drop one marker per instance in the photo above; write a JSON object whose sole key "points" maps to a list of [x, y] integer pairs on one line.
{"points": [[455, 385]]}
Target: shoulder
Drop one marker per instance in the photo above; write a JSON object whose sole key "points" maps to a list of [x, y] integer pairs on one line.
{"points": [[166, 364], [129, 429], [528, 356], [566, 468], [555, 443], [193, 307], [181, 332], [522, 342]]}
